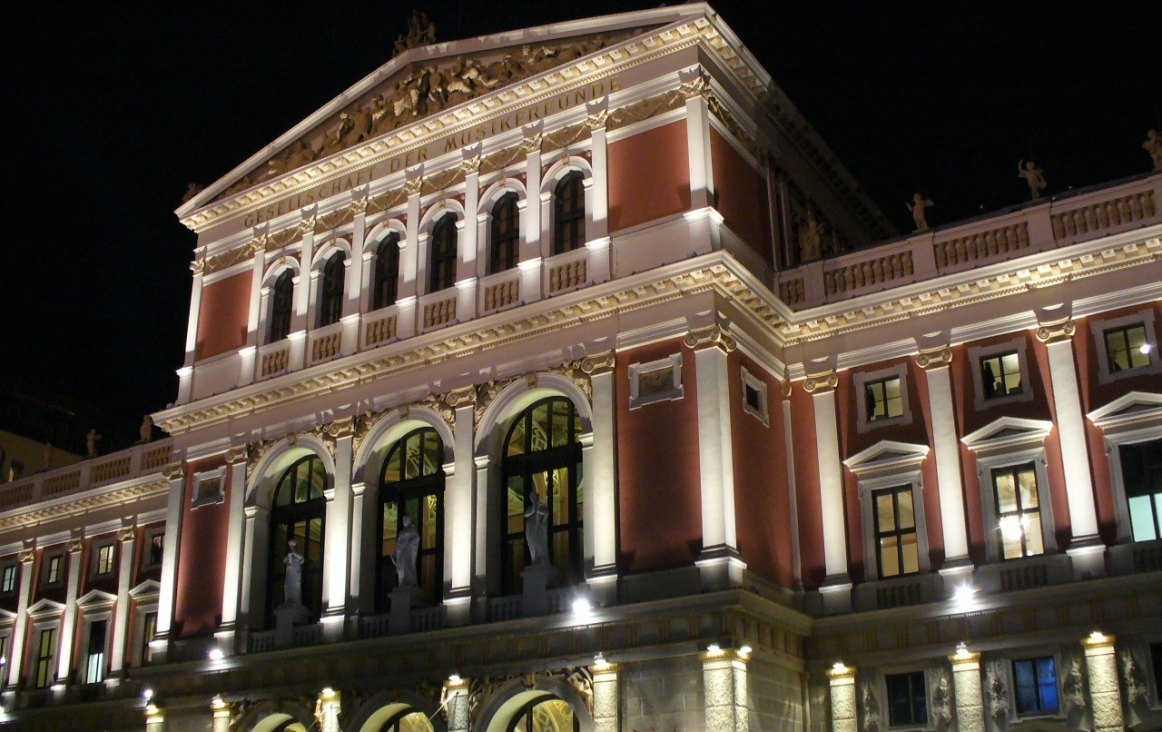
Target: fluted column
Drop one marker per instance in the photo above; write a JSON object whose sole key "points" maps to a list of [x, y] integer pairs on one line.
{"points": [[1105, 695], [967, 690], [69, 616], [836, 589], [235, 528], [606, 697], [19, 630], [725, 684], [936, 363], [127, 536], [843, 707]]}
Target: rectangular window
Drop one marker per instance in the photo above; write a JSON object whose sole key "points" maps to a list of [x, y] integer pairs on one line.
{"points": [[883, 399], [104, 559], [8, 579], [907, 700], [148, 631], [895, 527], [44, 656], [155, 549], [1142, 476], [1127, 348], [1000, 375], [95, 659], [52, 573], [1018, 511], [1035, 682]]}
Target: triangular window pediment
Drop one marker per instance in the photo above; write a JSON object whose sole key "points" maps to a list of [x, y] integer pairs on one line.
{"points": [[96, 598], [887, 455], [6, 615], [1008, 433], [45, 607], [145, 589], [1134, 408]]}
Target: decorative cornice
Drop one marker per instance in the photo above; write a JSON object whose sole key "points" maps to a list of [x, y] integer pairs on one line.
{"points": [[934, 358], [821, 382], [1056, 331], [174, 471], [599, 363], [710, 336]]}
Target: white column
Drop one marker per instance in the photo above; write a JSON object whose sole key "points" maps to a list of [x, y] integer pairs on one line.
{"points": [[601, 475], [719, 563], [235, 528], [254, 319], [843, 707], [836, 588], [698, 138], [1086, 546], [935, 363], [304, 287], [606, 699], [792, 495], [480, 517], [329, 708], [69, 616], [456, 702], [353, 286], [725, 686], [186, 372], [597, 195], [127, 535], [175, 473], [338, 542], [459, 533], [20, 626], [409, 259], [967, 691], [257, 528], [1102, 666], [355, 554], [533, 247]]}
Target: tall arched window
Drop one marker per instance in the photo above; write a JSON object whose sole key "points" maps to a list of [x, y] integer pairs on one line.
{"points": [[412, 485], [331, 298], [542, 453], [281, 305], [547, 714], [298, 512], [569, 214], [505, 234], [442, 272], [386, 272]]}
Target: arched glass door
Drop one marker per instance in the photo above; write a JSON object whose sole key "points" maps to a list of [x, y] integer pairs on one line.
{"points": [[298, 512], [412, 485]]}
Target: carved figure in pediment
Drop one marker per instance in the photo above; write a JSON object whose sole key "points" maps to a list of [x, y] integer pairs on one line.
{"points": [[354, 127], [1153, 145], [1034, 175]]}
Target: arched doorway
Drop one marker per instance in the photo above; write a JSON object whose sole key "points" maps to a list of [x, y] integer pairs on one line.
{"points": [[412, 485], [546, 714], [298, 511]]}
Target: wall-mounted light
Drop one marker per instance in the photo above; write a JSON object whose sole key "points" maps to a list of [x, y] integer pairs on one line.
{"points": [[216, 654], [744, 651], [581, 605], [962, 650], [599, 662], [839, 667]]}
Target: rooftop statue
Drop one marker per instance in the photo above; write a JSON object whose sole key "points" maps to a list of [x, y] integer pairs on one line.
{"points": [[91, 441], [1153, 145], [919, 206], [1034, 176], [421, 32]]}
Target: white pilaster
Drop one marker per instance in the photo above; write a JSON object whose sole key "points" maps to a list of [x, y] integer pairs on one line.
{"points": [[836, 589], [69, 616], [967, 691], [235, 536], [459, 534], [355, 603], [127, 536], [20, 626], [257, 527], [792, 495], [409, 257], [601, 475], [597, 194], [335, 577], [186, 372], [698, 139], [843, 706], [725, 686], [175, 473], [472, 241], [1102, 666], [936, 364]]}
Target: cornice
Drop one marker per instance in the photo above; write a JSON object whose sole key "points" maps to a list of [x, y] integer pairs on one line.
{"points": [[83, 503]]}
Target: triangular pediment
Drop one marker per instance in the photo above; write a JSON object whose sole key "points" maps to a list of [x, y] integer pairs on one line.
{"points": [[887, 455], [145, 589], [44, 607], [1008, 433], [96, 598], [1132, 408], [6, 615]]}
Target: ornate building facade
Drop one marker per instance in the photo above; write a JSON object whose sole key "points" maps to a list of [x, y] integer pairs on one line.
{"points": [[563, 380]]}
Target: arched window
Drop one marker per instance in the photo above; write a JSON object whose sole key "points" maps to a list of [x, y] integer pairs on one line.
{"points": [[569, 214], [505, 234], [297, 512], [412, 485], [547, 714], [442, 273], [331, 299], [281, 305], [542, 453], [406, 720], [386, 272]]}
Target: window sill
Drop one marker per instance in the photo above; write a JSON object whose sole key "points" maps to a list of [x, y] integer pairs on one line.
{"points": [[909, 589]]}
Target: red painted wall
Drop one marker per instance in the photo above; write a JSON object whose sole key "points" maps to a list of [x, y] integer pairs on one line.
{"points": [[222, 317], [659, 493], [807, 493], [761, 498], [741, 196], [649, 176], [201, 558]]}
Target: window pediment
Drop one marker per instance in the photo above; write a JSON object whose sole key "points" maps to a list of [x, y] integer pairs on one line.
{"points": [[887, 455], [145, 589], [95, 599], [1008, 433], [45, 608], [1134, 409]]}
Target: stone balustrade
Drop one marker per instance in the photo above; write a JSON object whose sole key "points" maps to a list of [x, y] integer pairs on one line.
{"points": [[499, 291], [379, 327], [326, 342], [438, 308], [274, 358], [568, 271]]}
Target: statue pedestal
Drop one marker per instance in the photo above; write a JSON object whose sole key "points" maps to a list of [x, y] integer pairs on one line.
{"points": [[400, 619], [286, 617], [535, 599]]}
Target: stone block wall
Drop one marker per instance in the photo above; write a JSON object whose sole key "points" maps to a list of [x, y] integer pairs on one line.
{"points": [[663, 695], [776, 698]]}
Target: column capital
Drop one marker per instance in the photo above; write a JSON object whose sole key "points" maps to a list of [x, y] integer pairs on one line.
{"points": [[237, 454], [963, 656], [694, 82], [1096, 640], [414, 179], [710, 336], [465, 396], [934, 358], [75, 545], [824, 382], [1056, 331], [174, 471], [26, 555], [599, 363], [839, 672], [127, 533]]}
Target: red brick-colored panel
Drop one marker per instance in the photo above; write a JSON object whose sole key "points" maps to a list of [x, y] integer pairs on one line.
{"points": [[649, 176], [201, 558], [223, 316], [741, 196], [807, 493]]}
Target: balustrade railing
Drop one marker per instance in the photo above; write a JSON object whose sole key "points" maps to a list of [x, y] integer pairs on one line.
{"points": [[379, 326], [568, 271], [273, 359], [499, 291], [326, 342], [504, 608], [438, 309]]}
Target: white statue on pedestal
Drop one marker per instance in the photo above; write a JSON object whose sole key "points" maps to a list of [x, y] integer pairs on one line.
{"points": [[407, 547], [537, 529], [293, 585]]}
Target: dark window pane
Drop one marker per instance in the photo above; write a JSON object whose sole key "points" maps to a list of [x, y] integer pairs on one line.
{"points": [[386, 272]]}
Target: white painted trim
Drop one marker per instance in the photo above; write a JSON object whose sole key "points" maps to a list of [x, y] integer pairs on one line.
{"points": [[1098, 328], [1131, 419], [762, 414], [673, 364], [860, 380], [985, 466], [978, 353], [197, 499]]}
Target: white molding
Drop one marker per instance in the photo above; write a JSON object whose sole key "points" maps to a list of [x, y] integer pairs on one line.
{"points": [[672, 364], [978, 353], [763, 414], [1007, 433], [887, 455], [860, 379], [44, 608], [145, 590], [94, 599], [197, 500], [1123, 424], [1098, 328]]}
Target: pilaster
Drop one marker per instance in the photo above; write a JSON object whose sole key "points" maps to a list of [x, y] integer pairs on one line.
{"points": [[460, 505], [601, 473], [220, 715], [724, 680], [327, 710], [456, 704], [235, 527], [836, 590], [695, 86], [792, 494], [967, 690], [843, 706], [338, 518], [76, 548], [606, 697], [26, 558], [175, 473], [127, 536], [935, 363], [1104, 692]]}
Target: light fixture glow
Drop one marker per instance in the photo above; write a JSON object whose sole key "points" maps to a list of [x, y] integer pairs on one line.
{"points": [[964, 592], [147, 693], [328, 692], [744, 650], [1144, 348], [839, 667], [1097, 637], [962, 650], [600, 663], [714, 650], [218, 702], [581, 605], [216, 654], [454, 679]]}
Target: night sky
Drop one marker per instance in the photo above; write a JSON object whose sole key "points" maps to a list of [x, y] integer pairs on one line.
{"points": [[112, 112]]}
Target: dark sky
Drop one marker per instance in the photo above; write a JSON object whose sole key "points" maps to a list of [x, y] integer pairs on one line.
{"points": [[112, 112]]}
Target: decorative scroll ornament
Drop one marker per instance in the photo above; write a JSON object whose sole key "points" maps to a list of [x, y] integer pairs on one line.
{"points": [[331, 432], [237, 454], [126, 533], [256, 451], [710, 336], [26, 555], [786, 385], [934, 358], [174, 471], [437, 404], [1055, 332], [75, 545], [821, 382], [362, 427], [239, 709], [575, 372], [198, 267], [307, 225], [531, 144], [694, 83], [599, 363], [578, 677], [359, 206], [414, 185], [485, 393], [462, 397]]}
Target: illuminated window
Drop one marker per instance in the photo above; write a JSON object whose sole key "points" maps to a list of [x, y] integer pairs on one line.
{"points": [[54, 569], [412, 486], [281, 305], [882, 398], [1035, 685], [331, 297], [298, 511], [103, 560], [907, 699], [1000, 375], [95, 657], [505, 234], [1142, 479], [42, 676], [154, 549], [1126, 348], [383, 291], [895, 528], [569, 214], [148, 632], [1018, 511], [8, 579], [442, 272], [547, 714], [542, 454], [407, 720]]}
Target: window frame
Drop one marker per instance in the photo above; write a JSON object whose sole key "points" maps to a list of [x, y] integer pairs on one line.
{"points": [[1014, 470], [671, 363], [308, 510], [863, 379], [443, 253], [36, 659], [759, 386], [332, 284], [83, 655], [1099, 328], [563, 219], [504, 247], [95, 563], [1034, 713], [14, 565], [889, 464], [383, 295], [280, 319], [198, 500], [46, 568], [977, 354], [1133, 418], [926, 696], [149, 535]]}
